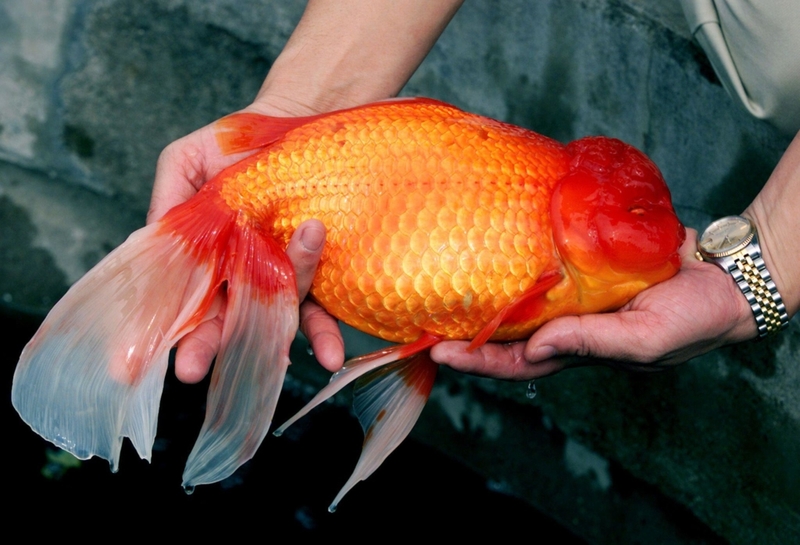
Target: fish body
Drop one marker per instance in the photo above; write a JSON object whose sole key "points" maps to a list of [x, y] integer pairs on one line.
{"points": [[440, 225], [436, 218]]}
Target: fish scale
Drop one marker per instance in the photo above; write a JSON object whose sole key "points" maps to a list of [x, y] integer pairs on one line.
{"points": [[435, 222]]}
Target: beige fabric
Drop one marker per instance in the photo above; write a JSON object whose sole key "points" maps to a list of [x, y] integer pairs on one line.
{"points": [[754, 47]]}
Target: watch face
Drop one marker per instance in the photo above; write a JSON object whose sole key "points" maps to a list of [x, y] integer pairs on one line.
{"points": [[726, 236]]}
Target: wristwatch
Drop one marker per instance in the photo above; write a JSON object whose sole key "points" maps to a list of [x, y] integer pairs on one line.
{"points": [[731, 243]]}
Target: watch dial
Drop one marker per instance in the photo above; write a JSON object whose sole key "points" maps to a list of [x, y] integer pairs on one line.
{"points": [[725, 234]]}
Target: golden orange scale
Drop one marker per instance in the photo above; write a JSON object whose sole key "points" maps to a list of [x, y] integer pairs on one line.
{"points": [[436, 218]]}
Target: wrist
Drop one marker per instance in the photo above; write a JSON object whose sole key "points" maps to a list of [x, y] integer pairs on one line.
{"points": [[774, 251], [290, 91], [732, 244], [774, 213]]}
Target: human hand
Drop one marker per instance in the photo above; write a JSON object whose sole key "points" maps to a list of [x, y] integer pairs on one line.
{"points": [[697, 310], [183, 168], [317, 71]]}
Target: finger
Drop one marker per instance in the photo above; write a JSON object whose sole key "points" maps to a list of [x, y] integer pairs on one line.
{"points": [[184, 166], [304, 251], [179, 173], [622, 339], [197, 350], [320, 328], [322, 331], [505, 361]]}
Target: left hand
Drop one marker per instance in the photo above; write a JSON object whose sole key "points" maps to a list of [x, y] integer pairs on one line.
{"points": [[697, 310]]}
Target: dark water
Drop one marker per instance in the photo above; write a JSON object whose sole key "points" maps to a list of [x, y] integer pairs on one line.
{"points": [[283, 492]]}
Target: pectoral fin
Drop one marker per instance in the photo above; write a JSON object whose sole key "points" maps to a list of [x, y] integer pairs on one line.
{"points": [[522, 309]]}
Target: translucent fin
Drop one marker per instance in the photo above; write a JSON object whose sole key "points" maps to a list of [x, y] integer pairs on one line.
{"points": [[388, 402], [526, 307], [93, 373], [357, 367], [260, 323]]}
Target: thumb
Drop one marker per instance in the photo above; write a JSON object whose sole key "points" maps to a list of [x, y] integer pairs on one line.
{"points": [[304, 251], [591, 339]]}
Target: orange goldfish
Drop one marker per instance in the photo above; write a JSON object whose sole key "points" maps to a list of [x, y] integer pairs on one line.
{"points": [[441, 225]]}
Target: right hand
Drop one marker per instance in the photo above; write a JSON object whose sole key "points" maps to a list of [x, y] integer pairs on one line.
{"points": [[183, 168]]}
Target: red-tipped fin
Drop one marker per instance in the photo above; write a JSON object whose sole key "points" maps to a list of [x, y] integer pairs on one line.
{"points": [[356, 368], [388, 402], [260, 323], [93, 373], [524, 308]]}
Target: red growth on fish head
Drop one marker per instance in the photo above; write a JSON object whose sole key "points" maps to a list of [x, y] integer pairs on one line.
{"points": [[613, 221]]}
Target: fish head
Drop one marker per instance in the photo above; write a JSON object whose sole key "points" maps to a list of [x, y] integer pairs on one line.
{"points": [[613, 223]]}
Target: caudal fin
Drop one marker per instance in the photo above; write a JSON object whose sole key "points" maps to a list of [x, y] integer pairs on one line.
{"points": [[93, 373], [261, 320]]}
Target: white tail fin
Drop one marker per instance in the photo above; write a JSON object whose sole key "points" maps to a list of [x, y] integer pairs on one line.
{"points": [[260, 323], [93, 373]]}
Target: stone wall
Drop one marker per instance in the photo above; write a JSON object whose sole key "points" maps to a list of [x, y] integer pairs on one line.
{"points": [[90, 92]]}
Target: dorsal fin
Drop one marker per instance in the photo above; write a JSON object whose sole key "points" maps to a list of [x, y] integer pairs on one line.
{"points": [[248, 131]]}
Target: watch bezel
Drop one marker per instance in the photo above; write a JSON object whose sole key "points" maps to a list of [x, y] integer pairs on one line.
{"points": [[721, 225]]}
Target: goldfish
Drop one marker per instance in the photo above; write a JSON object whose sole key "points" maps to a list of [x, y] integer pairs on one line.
{"points": [[441, 224]]}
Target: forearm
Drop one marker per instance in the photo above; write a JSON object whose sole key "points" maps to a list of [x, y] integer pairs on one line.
{"points": [[775, 212], [349, 52]]}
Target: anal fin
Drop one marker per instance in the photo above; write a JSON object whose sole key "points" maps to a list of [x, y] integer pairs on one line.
{"points": [[392, 386], [357, 367], [388, 402]]}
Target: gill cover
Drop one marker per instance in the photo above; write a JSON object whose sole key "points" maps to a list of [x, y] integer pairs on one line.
{"points": [[613, 221]]}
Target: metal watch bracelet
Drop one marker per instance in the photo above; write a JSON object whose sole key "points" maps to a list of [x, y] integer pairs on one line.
{"points": [[755, 282]]}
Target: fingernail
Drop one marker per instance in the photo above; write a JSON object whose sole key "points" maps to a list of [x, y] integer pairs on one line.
{"points": [[542, 353], [312, 238]]}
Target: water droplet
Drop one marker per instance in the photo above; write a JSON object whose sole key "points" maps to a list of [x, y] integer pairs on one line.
{"points": [[530, 393], [189, 490], [309, 350], [332, 507]]}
